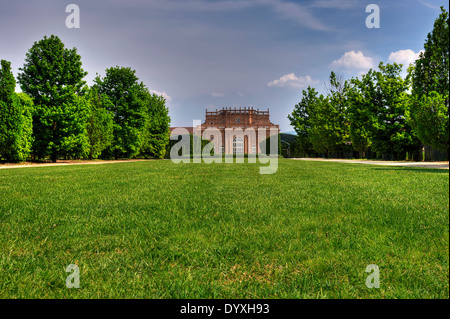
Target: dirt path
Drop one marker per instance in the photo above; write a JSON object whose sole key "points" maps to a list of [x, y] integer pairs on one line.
{"points": [[63, 163], [441, 165]]}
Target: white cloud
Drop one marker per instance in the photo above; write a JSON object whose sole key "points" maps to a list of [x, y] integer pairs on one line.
{"points": [[163, 94], [291, 80], [405, 57], [354, 60], [217, 94]]}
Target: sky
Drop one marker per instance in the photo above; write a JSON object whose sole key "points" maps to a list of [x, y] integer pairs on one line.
{"points": [[202, 54]]}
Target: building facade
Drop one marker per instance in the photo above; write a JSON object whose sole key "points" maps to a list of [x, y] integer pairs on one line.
{"points": [[236, 130]]}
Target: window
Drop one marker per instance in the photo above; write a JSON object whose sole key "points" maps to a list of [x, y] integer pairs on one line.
{"points": [[211, 137], [238, 145]]}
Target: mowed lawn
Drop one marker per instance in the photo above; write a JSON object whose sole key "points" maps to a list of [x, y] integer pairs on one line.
{"points": [[160, 230]]}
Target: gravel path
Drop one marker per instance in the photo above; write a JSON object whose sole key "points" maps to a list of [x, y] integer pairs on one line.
{"points": [[441, 165], [63, 163]]}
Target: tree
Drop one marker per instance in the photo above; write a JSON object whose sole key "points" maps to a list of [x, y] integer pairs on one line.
{"points": [[320, 121], [300, 119], [362, 113], [322, 131], [53, 77], [378, 108], [100, 122], [332, 116], [431, 71], [429, 117], [15, 118], [429, 102], [361, 122], [128, 98], [157, 126]]}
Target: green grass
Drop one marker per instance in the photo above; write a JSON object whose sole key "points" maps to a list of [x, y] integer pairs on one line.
{"points": [[159, 230]]}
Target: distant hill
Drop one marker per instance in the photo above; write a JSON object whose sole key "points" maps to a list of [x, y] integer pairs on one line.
{"points": [[290, 132], [287, 137]]}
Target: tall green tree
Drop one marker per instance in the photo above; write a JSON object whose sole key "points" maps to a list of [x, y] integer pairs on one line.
{"points": [[429, 117], [362, 113], [157, 126], [52, 75], [328, 130], [100, 122], [320, 121], [300, 119], [332, 115], [128, 97], [431, 71], [15, 118], [430, 87], [378, 108]]}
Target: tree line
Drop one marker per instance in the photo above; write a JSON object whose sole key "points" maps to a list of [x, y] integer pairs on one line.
{"points": [[58, 116], [381, 113]]}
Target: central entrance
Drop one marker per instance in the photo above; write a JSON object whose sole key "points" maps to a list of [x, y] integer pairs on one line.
{"points": [[238, 145]]}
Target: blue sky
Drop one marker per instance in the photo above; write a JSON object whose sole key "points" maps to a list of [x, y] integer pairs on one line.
{"points": [[210, 54]]}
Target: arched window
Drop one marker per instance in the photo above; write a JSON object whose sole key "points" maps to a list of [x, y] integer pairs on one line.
{"points": [[238, 145]]}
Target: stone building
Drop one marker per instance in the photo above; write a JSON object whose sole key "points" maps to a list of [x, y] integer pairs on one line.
{"points": [[236, 130]]}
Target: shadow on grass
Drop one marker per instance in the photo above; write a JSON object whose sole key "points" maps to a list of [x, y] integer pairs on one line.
{"points": [[415, 169]]}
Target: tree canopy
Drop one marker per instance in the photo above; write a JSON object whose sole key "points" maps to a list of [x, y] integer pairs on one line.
{"points": [[430, 88], [58, 116], [15, 118], [53, 77]]}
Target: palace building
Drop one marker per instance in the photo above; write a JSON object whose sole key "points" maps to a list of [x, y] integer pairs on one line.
{"points": [[236, 130]]}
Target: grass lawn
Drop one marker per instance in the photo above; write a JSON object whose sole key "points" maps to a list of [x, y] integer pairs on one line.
{"points": [[159, 230]]}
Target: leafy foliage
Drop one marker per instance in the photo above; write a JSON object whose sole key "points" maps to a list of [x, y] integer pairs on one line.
{"points": [[300, 118], [53, 77], [15, 118], [99, 122], [141, 119], [429, 117], [431, 72], [429, 104], [156, 128], [128, 108], [378, 108], [320, 121]]}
